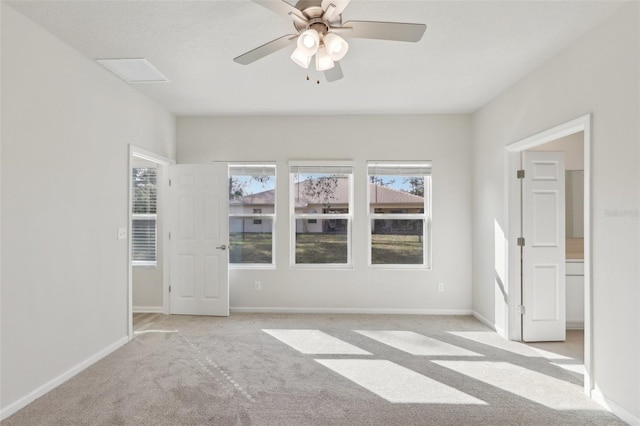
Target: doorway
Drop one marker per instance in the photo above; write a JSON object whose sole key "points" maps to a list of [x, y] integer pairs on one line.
{"points": [[579, 126], [147, 240]]}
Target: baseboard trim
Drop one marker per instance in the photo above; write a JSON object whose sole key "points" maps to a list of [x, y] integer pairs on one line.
{"points": [[147, 309], [484, 320], [52, 384], [624, 415], [270, 310], [575, 325]]}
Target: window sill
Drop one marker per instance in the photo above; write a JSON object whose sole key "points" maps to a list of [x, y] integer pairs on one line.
{"points": [[240, 266], [401, 267], [322, 267], [147, 265]]}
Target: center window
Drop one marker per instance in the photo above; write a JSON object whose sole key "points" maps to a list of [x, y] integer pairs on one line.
{"points": [[320, 200], [252, 214]]}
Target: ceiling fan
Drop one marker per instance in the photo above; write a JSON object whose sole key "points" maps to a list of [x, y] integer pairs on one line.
{"points": [[320, 34]]}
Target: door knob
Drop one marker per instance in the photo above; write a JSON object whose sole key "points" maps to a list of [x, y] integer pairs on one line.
{"points": [[222, 247]]}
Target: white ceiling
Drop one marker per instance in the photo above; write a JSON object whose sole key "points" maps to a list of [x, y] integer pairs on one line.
{"points": [[471, 51]]}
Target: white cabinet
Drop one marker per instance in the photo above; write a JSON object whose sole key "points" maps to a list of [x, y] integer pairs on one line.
{"points": [[575, 293]]}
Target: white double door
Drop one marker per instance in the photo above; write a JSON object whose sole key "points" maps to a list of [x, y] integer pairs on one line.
{"points": [[543, 254], [199, 277]]}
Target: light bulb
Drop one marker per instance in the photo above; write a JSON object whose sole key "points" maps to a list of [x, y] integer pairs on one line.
{"points": [[299, 57], [308, 42], [323, 60], [337, 47]]}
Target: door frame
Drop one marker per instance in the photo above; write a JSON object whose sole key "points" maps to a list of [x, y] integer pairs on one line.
{"points": [[163, 163], [512, 214]]}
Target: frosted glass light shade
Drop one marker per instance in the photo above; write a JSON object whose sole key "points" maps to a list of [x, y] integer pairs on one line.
{"points": [[336, 46], [323, 60], [308, 42], [299, 57]]}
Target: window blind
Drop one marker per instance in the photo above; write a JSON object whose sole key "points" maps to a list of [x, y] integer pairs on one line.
{"points": [[399, 168], [334, 170], [252, 170]]}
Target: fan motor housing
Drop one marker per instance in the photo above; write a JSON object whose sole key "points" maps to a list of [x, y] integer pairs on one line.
{"points": [[314, 15]]}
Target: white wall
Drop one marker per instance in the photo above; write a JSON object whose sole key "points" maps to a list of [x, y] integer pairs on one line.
{"points": [[598, 74], [572, 146], [445, 139], [66, 126]]}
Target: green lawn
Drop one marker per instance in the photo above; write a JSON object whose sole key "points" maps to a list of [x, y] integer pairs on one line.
{"points": [[321, 248], [327, 248], [250, 247], [396, 249]]}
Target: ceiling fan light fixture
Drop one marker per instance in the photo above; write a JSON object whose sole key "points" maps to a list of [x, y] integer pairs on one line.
{"points": [[336, 46], [308, 42], [323, 60], [300, 58]]}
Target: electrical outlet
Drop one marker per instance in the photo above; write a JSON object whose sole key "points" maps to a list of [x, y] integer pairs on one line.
{"points": [[257, 286], [440, 286]]}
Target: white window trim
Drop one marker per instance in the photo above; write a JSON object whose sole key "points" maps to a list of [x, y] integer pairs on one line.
{"points": [[293, 216], [426, 217]]}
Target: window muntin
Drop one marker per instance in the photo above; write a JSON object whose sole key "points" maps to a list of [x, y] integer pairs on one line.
{"points": [[321, 214], [144, 216], [399, 214], [252, 215]]}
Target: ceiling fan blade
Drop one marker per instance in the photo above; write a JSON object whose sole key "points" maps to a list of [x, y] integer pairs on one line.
{"points": [[340, 5], [397, 31], [266, 49], [281, 7], [335, 73]]}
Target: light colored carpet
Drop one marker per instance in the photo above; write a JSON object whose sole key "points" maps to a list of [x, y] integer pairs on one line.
{"points": [[409, 370]]}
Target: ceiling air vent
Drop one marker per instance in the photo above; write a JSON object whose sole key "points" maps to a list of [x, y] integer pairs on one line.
{"points": [[134, 70]]}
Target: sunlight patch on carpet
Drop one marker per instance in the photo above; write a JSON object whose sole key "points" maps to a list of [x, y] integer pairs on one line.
{"points": [[537, 387], [415, 343], [315, 342], [551, 355], [491, 338], [397, 384]]}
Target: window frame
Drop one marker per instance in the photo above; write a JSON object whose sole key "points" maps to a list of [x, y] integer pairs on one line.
{"points": [[426, 216], [145, 216], [257, 216], [319, 217]]}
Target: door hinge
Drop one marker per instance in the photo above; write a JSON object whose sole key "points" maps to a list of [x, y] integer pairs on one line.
{"points": [[169, 289], [521, 309], [520, 174], [169, 235], [521, 241], [169, 182]]}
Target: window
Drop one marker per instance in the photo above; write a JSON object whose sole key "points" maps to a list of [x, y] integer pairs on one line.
{"points": [[252, 214], [400, 213], [144, 216], [257, 221], [321, 238]]}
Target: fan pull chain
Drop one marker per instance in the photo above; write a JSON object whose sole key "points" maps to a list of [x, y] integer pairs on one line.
{"points": [[317, 81]]}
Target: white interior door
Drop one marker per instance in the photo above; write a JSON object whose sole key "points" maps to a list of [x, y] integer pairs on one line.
{"points": [[199, 238], [543, 262]]}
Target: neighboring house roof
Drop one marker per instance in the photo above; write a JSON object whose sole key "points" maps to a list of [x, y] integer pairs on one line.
{"points": [[378, 195]]}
